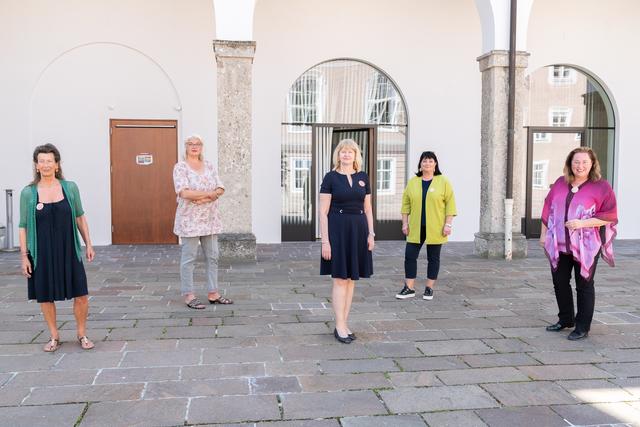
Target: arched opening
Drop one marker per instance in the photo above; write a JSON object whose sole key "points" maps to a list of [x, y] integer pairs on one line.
{"points": [[334, 100], [568, 108]]}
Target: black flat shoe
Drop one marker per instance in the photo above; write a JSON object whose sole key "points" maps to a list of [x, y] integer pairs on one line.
{"points": [[577, 335], [556, 327], [353, 337], [345, 340]]}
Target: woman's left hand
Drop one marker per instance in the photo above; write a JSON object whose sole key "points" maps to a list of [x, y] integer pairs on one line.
{"points": [[574, 224], [446, 231], [370, 242], [90, 253]]}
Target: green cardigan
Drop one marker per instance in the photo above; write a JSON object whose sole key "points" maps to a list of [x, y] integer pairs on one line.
{"points": [[28, 198], [440, 203]]}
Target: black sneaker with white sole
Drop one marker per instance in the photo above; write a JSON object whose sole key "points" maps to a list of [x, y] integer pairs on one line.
{"points": [[405, 293], [428, 293]]}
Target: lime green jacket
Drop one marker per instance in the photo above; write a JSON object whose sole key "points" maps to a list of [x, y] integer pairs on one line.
{"points": [[28, 199], [440, 203]]}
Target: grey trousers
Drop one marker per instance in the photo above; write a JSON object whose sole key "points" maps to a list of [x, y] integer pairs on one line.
{"points": [[187, 262]]}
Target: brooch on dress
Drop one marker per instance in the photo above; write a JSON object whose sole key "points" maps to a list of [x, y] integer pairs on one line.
{"points": [[361, 182], [39, 206]]}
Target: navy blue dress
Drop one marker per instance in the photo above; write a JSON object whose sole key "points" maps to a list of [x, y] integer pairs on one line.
{"points": [[59, 274], [348, 228]]}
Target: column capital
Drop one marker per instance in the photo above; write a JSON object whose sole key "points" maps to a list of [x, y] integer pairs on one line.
{"points": [[500, 58], [234, 49]]}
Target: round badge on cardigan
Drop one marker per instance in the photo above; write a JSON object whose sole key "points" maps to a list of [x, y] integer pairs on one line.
{"points": [[574, 190], [40, 206], [432, 189], [361, 182]]}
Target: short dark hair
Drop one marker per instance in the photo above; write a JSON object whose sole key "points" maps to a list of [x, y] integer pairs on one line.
{"points": [[46, 149], [429, 155]]}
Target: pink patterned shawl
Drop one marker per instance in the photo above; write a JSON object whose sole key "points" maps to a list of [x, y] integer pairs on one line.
{"points": [[593, 200]]}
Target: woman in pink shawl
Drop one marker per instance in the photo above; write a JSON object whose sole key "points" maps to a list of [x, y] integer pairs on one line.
{"points": [[578, 223]]}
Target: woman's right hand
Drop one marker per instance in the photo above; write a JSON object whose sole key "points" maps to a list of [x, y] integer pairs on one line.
{"points": [[326, 251], [405, 229], [541, 241], [26, 266]]}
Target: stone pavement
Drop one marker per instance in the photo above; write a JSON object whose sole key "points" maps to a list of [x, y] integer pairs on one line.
{"points": [[476, 355]]}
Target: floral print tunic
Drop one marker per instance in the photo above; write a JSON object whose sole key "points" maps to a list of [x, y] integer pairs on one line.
{"points": [[594, 199], [194, 220]]}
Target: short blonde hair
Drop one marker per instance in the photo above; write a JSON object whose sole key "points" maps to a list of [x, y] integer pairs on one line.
{"points": [[349, 144], [594, 173], [194, 137]]}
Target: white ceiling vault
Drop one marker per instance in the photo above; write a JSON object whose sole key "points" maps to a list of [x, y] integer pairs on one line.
{"points": [[234, 21]]}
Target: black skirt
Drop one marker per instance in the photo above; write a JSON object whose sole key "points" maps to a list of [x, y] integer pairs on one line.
{"points": [[350, 255], [59, 274]]}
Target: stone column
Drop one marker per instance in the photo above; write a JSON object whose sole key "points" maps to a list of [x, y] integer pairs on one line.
{"points": [[489, 241], [234, 62]]}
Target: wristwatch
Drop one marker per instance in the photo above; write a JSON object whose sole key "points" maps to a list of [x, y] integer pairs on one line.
{"points": [[371, 233]]}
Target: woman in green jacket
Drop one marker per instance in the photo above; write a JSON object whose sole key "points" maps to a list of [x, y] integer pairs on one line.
{"points": [[51, 215], [428, 208]]}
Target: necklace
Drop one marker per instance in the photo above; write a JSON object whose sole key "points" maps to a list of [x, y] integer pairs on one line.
{"points": [[574, 190]]}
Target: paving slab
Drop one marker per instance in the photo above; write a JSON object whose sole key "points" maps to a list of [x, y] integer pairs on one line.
{"points": [[443, 398], [597, 391], [165, 412], [453, 419], [529, 394], [564, 372], [41, 416], [479, 376], [534, 416], [331, 404], [384, 421], [314, 383], [598, 413], [233, 409]]}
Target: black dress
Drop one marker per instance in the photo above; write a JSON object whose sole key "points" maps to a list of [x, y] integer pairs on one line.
{"points": [[348, 228], [59, 274]]}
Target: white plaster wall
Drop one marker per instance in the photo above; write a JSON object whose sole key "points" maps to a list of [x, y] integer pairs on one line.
{"points": [[601, 41], [428, 48], [70, 65]]}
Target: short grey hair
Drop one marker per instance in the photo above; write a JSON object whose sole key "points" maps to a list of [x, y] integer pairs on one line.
{"points": [[193, 137]]}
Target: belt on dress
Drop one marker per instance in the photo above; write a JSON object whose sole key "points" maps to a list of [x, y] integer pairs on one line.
{"points": [[348, 211]]}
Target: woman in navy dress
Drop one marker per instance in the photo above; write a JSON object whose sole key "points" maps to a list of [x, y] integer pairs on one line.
{"points": [[51, 216], [346, 228]]}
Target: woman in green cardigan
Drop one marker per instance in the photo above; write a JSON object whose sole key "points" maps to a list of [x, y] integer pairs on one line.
{"points": [[51, 215], [428, 208]]}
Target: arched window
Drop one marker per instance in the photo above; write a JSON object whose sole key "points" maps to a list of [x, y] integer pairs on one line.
{"points": [[333, 100], [567, 108]]}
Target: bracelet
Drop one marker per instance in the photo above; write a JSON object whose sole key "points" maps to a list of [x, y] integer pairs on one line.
{"points": [[371, 233], [448, 225]]}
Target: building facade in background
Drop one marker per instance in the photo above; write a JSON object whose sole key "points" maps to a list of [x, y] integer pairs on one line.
{"points": [[118, 85]]}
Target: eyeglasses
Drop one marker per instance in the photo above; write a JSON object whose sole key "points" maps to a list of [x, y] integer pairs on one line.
{"points": [[194, 144]]}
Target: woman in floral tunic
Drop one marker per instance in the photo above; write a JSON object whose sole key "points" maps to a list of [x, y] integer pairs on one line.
{"points": [[197, 220], [579, 220]]}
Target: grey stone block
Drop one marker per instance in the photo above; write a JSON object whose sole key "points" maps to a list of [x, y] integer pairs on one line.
{"points": [[414, 379], [481, 375], [358, 366], [89, 360], [444, 398], [453, 419], [274, 385], [240, 355], [384, 421], [41, 416], [160, 358], [454, 347], [53, 378], [312, 383], [165, 412], [84, 393], [193, 388], [431, 363], [332, 404], [622, 369], [531, 393], [224, 370], [236, 409], [137, 375], [503, 359], [598, 413], [597, 391], [564, 372], [317, 352], [534, 416]]}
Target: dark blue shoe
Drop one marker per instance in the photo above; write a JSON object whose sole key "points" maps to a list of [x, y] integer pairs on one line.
{"points": [[343, 340]]}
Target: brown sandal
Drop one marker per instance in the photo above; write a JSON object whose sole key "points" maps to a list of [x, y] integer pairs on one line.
{"points": [[52, 345], [196, 304], [220, 300], [85, 343]]}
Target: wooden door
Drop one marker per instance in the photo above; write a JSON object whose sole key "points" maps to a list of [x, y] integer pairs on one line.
{"points": [[143, 200]]}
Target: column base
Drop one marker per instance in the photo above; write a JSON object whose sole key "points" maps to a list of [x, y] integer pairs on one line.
{"points": [[237, 246], [491, 245]]}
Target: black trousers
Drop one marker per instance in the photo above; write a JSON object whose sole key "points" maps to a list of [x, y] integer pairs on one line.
{"points": [[586, 297], [411, 253]]}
